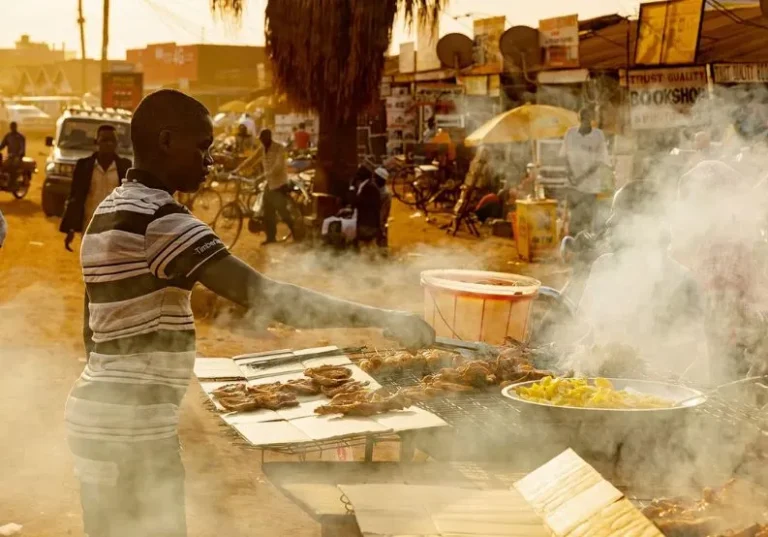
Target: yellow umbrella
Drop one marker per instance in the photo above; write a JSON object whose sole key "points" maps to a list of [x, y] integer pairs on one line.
{"points": [[260, 102], [524, 123], [237, 107]]}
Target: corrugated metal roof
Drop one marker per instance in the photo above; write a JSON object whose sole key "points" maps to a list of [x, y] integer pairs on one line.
{"points": [[722, 40]]}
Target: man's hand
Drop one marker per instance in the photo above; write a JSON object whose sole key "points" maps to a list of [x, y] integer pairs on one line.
{"points": [[409, 329], [68, 241]]}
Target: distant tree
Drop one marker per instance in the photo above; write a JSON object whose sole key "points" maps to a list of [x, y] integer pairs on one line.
{"points": [[328, 56]]}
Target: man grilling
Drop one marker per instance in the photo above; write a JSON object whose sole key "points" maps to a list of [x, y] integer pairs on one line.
{"points": [[141, 255], [93, 179]]}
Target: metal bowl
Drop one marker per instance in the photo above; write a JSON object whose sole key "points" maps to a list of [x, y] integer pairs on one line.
{"points": [[684, 398]]}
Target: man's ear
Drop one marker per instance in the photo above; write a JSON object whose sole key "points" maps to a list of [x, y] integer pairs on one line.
{"points": [[164, 140]]}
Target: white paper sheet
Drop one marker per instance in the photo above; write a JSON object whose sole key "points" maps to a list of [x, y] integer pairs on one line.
{"points": [[271, 433], [213, 368]]}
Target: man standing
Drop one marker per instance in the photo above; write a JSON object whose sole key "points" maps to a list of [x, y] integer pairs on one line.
{"points": [[301, 138], [585, 154], [94, 178], [141, 255], [276, 194], [17, 147]]}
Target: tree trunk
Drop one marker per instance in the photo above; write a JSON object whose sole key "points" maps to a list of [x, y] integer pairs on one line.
{"points": [[336, 154]]}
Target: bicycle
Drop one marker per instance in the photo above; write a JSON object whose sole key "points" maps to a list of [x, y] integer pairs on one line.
{"points": [[249, 203]]}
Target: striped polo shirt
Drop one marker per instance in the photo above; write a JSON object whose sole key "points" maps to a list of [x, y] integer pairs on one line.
{"points": [[140, 255]]}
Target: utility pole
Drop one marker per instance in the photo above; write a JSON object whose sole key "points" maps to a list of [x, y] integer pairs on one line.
{"points": [[81, 22], [105, 39]]}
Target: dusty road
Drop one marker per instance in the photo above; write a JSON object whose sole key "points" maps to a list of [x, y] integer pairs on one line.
{"points": [[41, 354]]}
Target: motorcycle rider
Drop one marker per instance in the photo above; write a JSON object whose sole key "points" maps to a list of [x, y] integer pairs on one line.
{"points": [[17, 146]]}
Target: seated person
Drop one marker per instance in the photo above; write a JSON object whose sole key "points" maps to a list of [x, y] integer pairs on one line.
{"points": [[638, 295], [360, 220], [244, 142]]}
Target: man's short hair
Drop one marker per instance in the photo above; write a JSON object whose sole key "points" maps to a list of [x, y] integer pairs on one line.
{"points": [[13, 124], [302, 125], [105, 128], [587, 111], [163, 109]]}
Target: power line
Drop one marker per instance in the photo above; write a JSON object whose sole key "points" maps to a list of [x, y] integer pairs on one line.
{"points": [[735, 17]]}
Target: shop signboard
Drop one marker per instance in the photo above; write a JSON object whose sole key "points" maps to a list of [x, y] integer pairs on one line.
{"points": [[663, 98], [487, 56], [426, 48], [407, 57], [737, 73], [121, 90], [668, 32], [475, 85], [559, 37]]}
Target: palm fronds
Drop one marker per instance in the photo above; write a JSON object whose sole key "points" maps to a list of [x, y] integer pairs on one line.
{"points": [[328, 55]]}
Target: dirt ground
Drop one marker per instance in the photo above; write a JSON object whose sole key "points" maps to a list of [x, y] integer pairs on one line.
{"points": [[41, 354]]}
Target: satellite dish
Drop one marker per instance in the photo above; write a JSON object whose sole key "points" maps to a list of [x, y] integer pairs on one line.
{"points": [[520, 47], [455, 50]]}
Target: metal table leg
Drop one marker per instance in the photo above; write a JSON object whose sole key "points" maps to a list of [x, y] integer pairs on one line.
{"points": [[369, 449]]}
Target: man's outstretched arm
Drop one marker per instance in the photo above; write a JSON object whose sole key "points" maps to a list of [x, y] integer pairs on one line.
{"points": [[296, 306]]}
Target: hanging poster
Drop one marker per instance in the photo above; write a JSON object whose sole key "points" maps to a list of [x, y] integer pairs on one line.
{"points": [[488, 59], [559, 37]]}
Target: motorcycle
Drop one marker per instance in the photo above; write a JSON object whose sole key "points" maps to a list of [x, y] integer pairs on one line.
{"points": [[23, 171]]}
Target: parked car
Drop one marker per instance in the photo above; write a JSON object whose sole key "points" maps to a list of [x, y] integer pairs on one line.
{"points": [[75, 139], [31, 120]]}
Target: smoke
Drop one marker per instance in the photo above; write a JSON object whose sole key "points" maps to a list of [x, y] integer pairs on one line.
{"points": [[684, 286]]}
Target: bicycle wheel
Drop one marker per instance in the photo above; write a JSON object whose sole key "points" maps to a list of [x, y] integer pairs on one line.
{"points": [[206, 205], [284, 232], [402, 185], [229, 223]]}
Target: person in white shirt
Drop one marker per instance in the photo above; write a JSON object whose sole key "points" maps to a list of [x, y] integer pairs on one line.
{"points": [[93, 179], [585, 153], [276, 195]]}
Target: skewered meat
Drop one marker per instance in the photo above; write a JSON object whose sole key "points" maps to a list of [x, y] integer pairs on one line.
{"points": [[253, 399], [348, 387], [302, 387], [712, 514], [328, 375], [364, 405]]}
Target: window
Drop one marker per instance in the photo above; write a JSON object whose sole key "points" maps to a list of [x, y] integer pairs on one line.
{"points": [[77, 133]]}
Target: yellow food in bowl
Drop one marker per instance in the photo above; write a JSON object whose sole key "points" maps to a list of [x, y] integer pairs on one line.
{"points": [[579, 393]]}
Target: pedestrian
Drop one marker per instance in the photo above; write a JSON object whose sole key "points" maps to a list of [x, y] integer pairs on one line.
{"points": [[141, 255], [244, 142], [586, 156], [301, 139], [276, 198], [93, 179]]}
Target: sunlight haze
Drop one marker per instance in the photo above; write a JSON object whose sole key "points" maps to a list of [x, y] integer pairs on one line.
{"points": [[134, 23]]}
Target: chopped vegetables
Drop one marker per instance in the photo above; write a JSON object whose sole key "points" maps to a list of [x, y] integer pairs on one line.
{"points": [[579, 393]]}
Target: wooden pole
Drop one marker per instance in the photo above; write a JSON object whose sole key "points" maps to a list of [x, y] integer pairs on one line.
{"points": [[81, 22], [105, 38]]}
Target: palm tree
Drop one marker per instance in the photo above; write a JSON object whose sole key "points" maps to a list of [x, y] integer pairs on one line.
{"points": [[328, 56]]}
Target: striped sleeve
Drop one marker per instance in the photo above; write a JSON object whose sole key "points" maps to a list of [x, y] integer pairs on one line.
{"points": [[178, 244]]}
